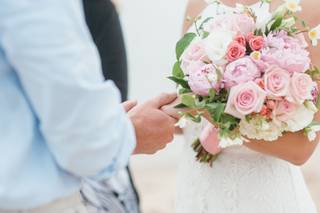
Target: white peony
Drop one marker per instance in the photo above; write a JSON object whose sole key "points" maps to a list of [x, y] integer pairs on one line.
{"points": [[260, 129], [300, 119], [216, 45]]}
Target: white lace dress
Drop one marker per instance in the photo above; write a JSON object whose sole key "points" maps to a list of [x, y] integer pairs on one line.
{"points": [[241, 180]]}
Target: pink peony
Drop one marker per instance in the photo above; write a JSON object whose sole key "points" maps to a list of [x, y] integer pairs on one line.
{"points": [[301, 87], [256, 43], [281, 40], [240, 71], [209, 139], [301, 40], [194, 53], [245, 99], [243, 23], [284, 110], [239, 23], [276, 82], [204, 78], [235, 51], [293, 60], [241, 39]]}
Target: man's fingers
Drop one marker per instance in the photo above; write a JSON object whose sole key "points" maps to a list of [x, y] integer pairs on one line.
{"points": [[163, 99], [128, 105]]}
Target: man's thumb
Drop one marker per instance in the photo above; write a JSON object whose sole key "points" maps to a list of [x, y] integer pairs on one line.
{"points": [[128, 105], [163, 99]]}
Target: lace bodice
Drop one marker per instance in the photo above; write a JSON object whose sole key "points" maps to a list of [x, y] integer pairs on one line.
{"points": [[241, 180]]}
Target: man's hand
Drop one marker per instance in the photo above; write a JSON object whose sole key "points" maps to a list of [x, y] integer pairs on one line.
{"points": [[128, 105], [154, 128]]}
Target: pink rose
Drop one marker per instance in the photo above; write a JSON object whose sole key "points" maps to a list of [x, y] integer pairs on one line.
{"points": [[235, 51], [241, 39], [283, 110], [256, 43], [276, 82], [240, 71], [194, 53], [301, 87], [292, 60], [204, 78], [209, 139], [245, 99]]}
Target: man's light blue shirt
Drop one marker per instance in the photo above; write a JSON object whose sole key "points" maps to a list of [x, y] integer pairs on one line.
{"points": [[59, 121]]}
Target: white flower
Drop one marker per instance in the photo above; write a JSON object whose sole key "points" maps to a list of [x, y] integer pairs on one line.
{"points": [[293, 5], [312, 135], [216, 45], [182, 123], [289, 22], [227, 142], [258, 128], [312, 132], [300, 119], [314, 35], [262, 20]]}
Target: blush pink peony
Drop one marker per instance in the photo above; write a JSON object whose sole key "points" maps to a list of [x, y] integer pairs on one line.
{"points": [[239, 23], [194, 53], [293, 60], [204, 78], [245, 99], [240, 71]]}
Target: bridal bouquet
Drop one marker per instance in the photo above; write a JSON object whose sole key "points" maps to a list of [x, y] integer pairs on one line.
{"points": [[252, 75]]}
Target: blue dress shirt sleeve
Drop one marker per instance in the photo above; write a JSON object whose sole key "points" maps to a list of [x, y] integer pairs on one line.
{"points": [[80, 116]]}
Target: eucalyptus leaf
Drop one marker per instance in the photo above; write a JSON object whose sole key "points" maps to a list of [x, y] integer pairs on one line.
{"points": [[184, 43]]}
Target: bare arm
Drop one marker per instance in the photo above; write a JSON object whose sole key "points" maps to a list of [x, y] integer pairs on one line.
{"points": [[194, 8], [295, 147]]}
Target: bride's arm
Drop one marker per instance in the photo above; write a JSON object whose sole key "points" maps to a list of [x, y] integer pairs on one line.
{"points": [[194, 8], [295, 147]]}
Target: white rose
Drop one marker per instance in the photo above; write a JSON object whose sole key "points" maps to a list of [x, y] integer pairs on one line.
{"points": [[216, 45], [300, 119]]}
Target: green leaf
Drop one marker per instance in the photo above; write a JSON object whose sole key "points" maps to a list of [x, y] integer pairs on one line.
{"points": [[184, 91], [218, 112], [180, 81], [188, 100], [177, 71], [180, 106], [184, 43], [318, 102], [212, 95], [205, 34], [276, 24], [204, 22]]}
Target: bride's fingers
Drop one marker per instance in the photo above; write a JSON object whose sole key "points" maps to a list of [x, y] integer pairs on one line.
{"points": [[128, 105]]}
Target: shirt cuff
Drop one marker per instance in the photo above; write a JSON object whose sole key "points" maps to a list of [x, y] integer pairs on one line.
{"points": [[126, 148]]}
